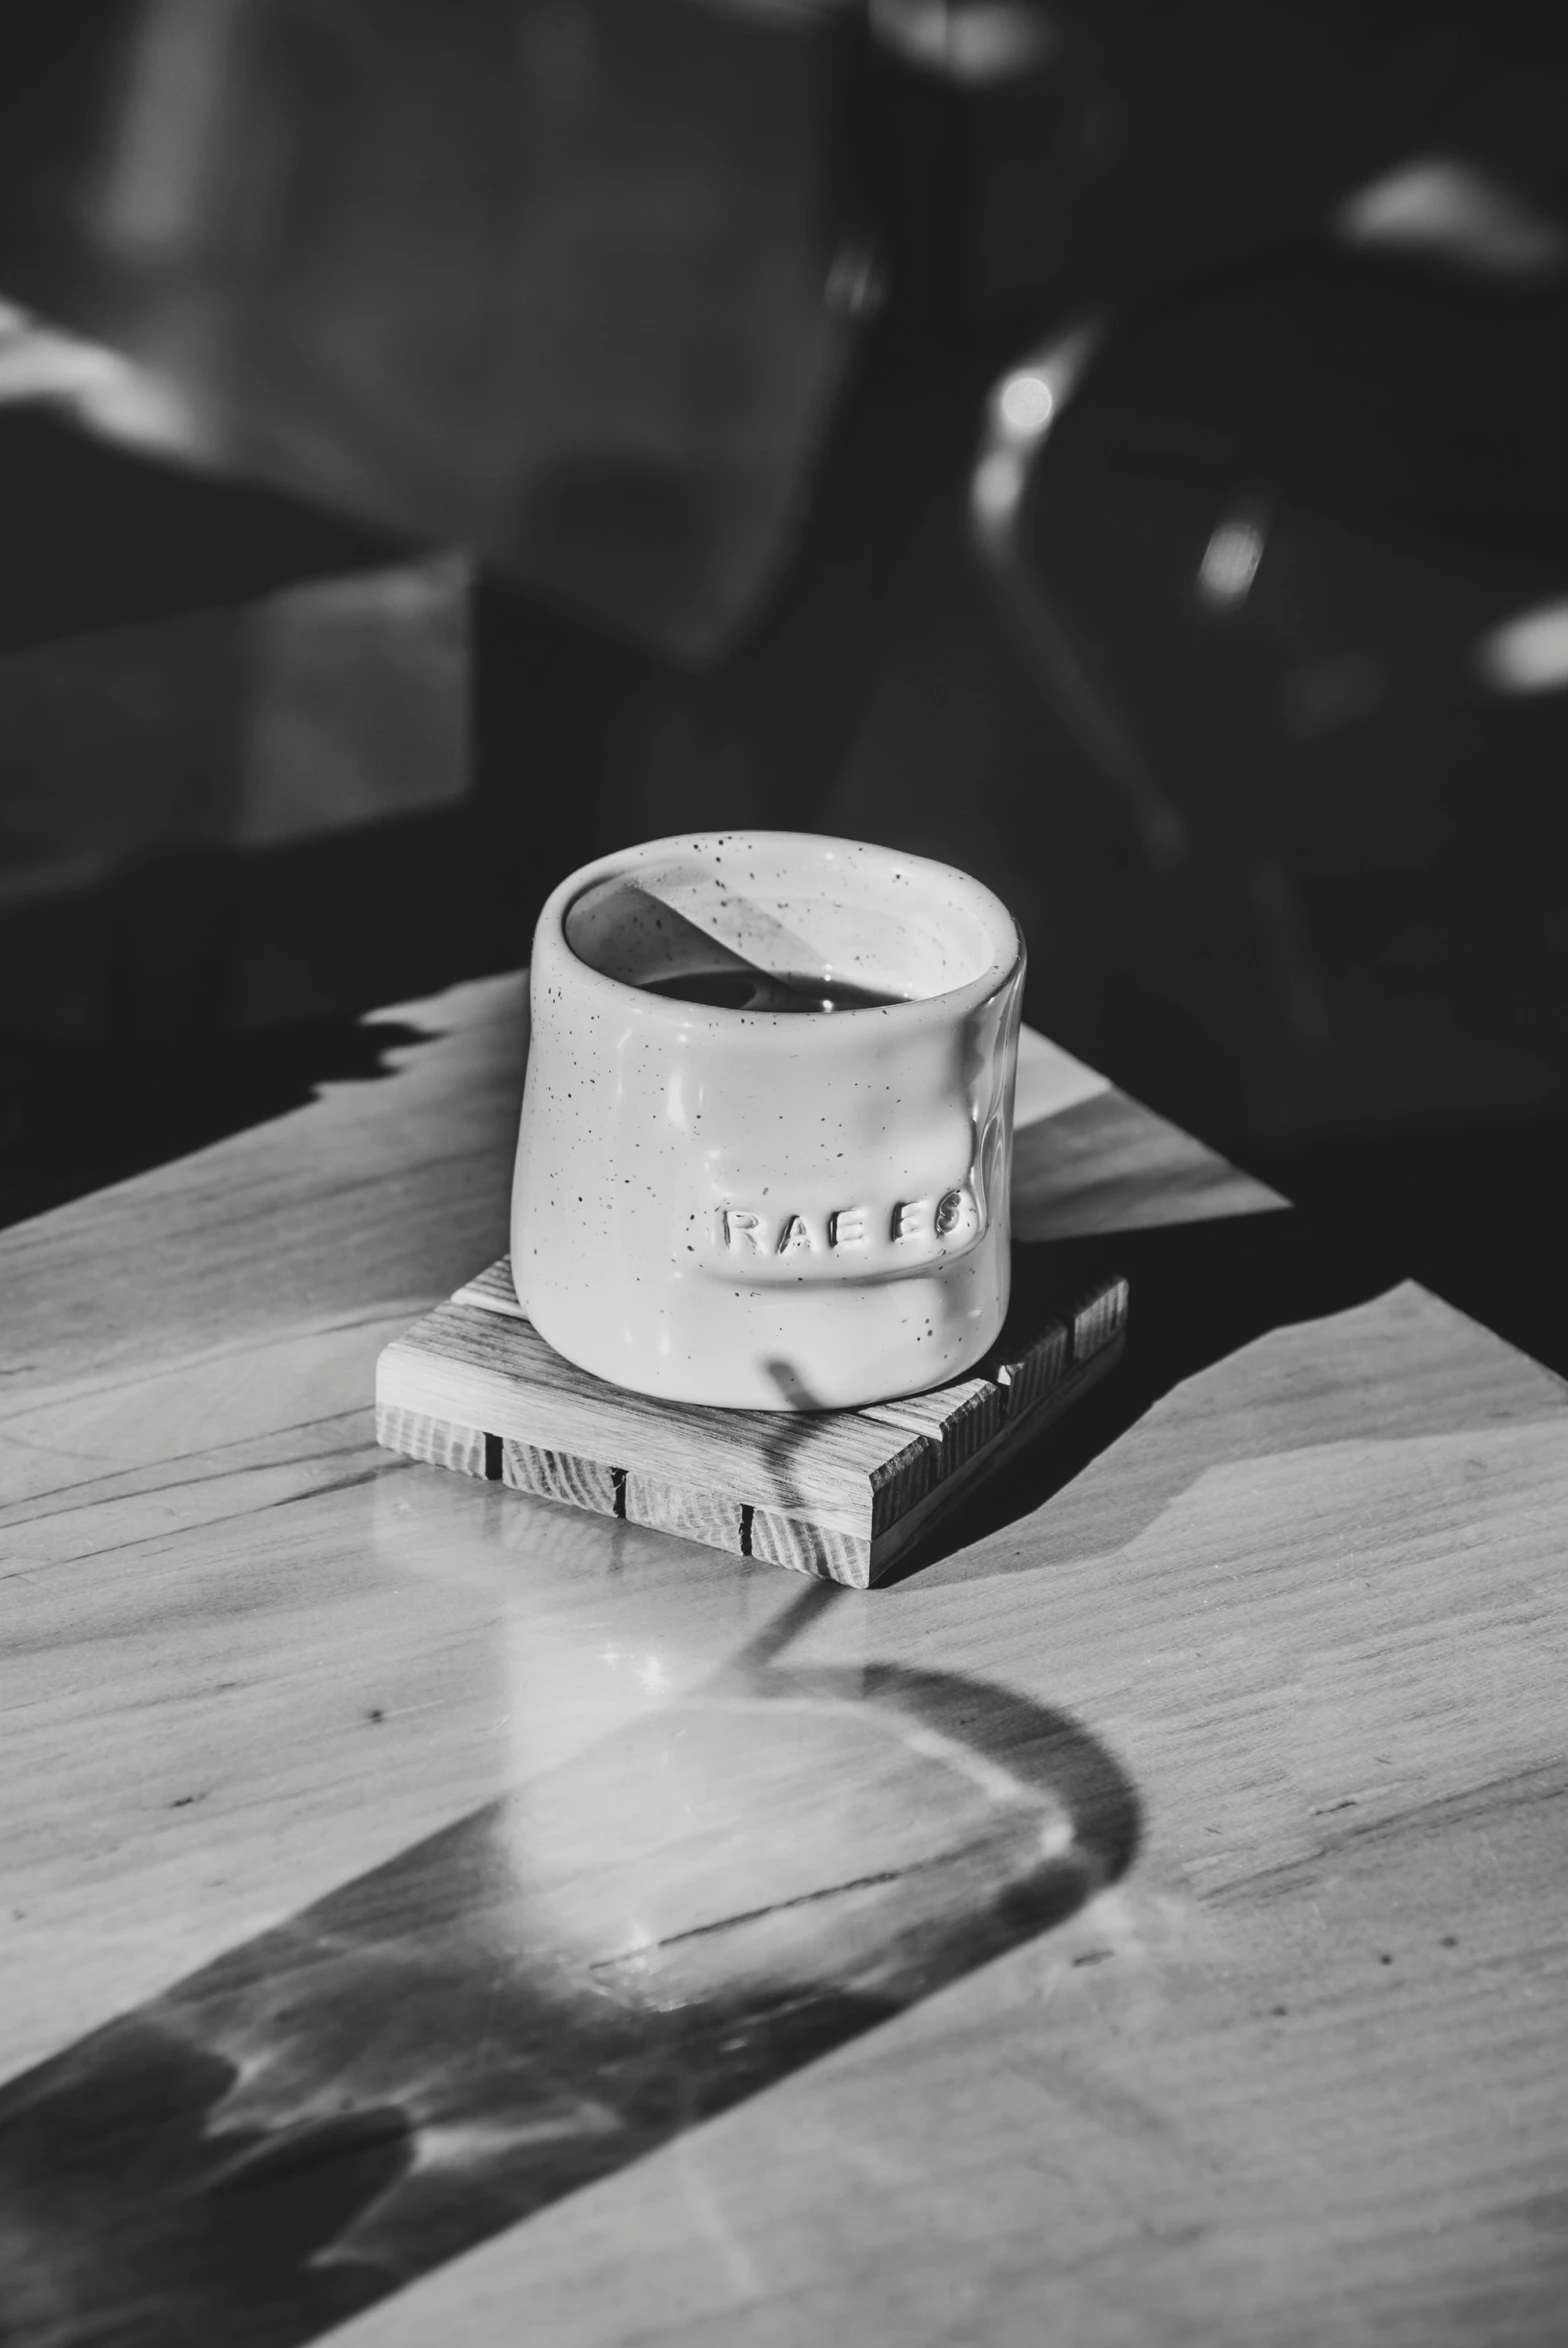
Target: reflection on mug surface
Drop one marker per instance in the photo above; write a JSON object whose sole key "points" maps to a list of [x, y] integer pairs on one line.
{"points": [[768, 1114]]}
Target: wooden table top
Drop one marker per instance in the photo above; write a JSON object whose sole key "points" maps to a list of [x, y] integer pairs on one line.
{"points": [[434, 1911]]}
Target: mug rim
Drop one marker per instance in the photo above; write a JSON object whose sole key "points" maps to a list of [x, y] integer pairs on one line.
{"points": [[787, 1026]]}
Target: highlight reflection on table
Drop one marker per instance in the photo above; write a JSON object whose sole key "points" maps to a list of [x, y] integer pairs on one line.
{"points": [[672, 1919]]}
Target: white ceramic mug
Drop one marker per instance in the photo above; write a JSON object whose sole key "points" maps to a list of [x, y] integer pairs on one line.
{"points": [[761, 1208]]}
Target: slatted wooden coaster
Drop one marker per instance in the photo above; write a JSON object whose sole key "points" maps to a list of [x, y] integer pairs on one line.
{"points": [[842, 1494]]}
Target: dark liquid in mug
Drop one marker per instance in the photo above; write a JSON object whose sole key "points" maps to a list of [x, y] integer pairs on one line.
{"points": [[762, 990]]}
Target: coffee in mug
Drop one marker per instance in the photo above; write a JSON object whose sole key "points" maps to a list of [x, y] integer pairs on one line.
{"points": [[767, 1122]]}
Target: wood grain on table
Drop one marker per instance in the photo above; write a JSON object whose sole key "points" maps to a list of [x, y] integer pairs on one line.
{"points": [[436, 1910]]}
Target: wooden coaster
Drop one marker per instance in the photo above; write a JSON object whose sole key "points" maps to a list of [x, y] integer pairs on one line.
{"points": [[842, 1494]]}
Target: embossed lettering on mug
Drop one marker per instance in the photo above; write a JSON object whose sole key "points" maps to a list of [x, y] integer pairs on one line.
{"points": [[767, 1120], [797, 1242]]}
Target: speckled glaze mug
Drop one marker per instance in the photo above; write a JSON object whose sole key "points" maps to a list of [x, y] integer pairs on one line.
{"points": [[766, 1208]]}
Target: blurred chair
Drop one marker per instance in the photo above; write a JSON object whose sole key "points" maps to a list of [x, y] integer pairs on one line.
{"points": [[1283, 551]]}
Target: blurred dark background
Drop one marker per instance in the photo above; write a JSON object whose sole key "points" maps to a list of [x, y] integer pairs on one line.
{"points": [[1116, 447]]}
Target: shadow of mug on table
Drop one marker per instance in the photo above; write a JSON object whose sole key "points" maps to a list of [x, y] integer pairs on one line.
{"points": [[538, 1995]]}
